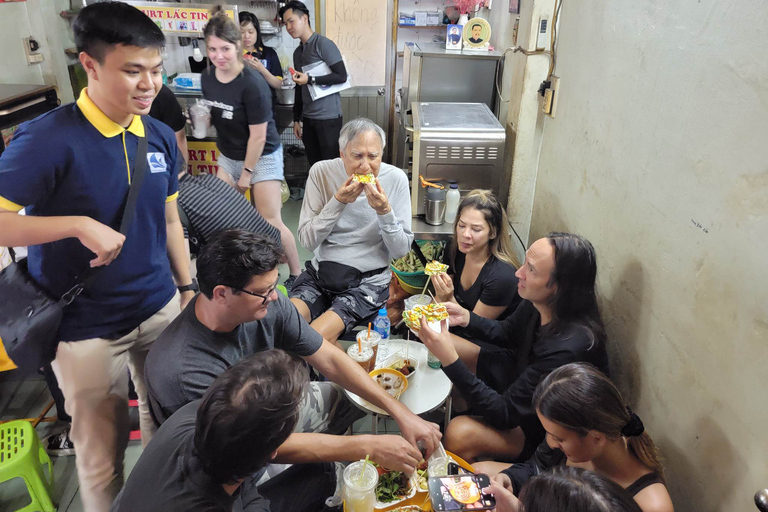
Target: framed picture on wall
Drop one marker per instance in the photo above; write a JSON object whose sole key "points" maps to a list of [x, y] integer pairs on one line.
{"points": [[514, 6]]}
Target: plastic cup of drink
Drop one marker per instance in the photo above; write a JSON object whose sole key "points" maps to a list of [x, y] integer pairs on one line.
{"points": [[437, 466], [370, 341], [421, 299], [432, 361], [365, 357], [201, 119], [360, 479]]}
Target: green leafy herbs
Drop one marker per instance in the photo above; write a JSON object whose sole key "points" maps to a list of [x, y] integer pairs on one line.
{"points": [[392, 486], [411, 263]]}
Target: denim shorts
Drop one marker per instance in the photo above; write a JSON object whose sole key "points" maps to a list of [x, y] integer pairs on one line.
{"points": [[269, 167]]}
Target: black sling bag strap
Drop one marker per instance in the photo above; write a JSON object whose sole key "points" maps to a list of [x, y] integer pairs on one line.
{"points": [[29, 315]]}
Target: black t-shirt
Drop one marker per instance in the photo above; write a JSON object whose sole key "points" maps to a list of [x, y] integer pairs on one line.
{"points": [[502, 390], [166, 109], [169, 477], [496, 285], [187, 357], [270, 60], [235, 106]]}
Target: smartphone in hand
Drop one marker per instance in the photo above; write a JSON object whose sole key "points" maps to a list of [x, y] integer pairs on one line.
{"points": [[461, 492]]}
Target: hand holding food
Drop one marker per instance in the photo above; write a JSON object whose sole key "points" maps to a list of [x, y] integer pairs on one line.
{"points": [[439, 343], [417, 431], [457, 315], [300, 78], [349, 191], [392, 452], [443, 284], [377, 198]]}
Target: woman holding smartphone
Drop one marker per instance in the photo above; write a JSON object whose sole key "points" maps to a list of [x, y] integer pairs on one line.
{"points": [[250, 153]]}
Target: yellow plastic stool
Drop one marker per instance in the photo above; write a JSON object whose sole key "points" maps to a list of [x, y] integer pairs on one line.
{"points": [[21, 455]]}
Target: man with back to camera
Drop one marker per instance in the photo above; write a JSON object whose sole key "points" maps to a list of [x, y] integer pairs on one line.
{"points": [[477, 31], [316, 122], [208, 450], [74, 191], [238, 312]]}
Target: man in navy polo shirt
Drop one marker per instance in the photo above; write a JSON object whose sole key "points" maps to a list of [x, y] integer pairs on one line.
{"points": [[71, 169]]}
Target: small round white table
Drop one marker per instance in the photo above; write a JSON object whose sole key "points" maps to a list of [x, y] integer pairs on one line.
{"points": [[428, 388]]}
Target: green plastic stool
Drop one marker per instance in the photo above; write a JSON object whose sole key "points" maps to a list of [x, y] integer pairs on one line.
{"points": [[21, 455], [282, 290]]}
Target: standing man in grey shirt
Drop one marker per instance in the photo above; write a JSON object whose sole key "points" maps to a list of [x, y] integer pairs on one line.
{"points": [[316, 122], [354, 231]]}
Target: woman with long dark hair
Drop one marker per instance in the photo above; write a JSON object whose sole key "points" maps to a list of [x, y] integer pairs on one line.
{"points": [[556, 323], [257, 55], [250, 152], [482, 260], [589, 425]]}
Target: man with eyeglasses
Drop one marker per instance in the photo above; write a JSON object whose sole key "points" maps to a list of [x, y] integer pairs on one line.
{"points": [[238, 313]]}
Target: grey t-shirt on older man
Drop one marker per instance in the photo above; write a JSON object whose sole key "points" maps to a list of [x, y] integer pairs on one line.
{"points": [[318, 48], [354, 234]]}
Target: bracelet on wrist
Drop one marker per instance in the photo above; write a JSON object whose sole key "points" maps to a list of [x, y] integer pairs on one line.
{"points": [[248, 170]]}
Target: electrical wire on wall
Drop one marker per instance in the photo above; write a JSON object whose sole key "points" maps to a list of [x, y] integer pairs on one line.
{"points": [[515, 49]]}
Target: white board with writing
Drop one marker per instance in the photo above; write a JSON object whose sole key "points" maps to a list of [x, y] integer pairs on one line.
{"points": [[359, 29]]}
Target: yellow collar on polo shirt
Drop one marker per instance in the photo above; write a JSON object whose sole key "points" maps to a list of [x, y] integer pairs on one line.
{"points": [[104, 124]]}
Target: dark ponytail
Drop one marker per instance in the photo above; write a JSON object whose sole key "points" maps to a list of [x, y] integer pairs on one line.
{"points": [[581, 399]]}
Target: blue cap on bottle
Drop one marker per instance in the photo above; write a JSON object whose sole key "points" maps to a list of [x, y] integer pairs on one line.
{"points": [[383, 312]]}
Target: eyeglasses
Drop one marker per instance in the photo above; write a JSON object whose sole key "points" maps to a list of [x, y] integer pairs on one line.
{"points": [[263, 297]]}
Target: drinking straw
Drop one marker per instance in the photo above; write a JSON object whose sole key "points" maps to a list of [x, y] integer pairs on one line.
{"points": [[362, 470], [425, 287], [369, 332], [359, 346]]}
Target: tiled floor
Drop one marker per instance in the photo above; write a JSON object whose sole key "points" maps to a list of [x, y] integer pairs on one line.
{"points": [[28, 398]]}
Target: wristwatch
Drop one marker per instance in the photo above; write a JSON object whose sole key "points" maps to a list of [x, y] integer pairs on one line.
{"points": [[312, 79], [192, 287]]}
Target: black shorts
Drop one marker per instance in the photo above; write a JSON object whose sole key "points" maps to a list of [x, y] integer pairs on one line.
{"points": [[355, 305]]}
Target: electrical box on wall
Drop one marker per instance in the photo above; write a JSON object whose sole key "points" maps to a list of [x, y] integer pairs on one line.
{"points": [[542, 37], [551, 90], [31, 48]]}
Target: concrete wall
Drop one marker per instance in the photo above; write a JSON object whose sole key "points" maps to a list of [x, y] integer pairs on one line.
{"points": [[659, 155], [38, 18]]}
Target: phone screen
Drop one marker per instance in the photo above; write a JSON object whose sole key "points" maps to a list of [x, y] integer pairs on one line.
{"points": [[462, 492]]}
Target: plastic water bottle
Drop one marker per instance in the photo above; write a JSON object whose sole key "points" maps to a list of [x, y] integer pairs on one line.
{"points": [[381, 325], [164, 56], [452, 199]]}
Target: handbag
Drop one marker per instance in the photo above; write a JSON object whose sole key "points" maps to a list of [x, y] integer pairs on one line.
{"points": [[29, 315]]}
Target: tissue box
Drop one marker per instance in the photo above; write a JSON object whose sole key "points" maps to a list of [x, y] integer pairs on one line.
{"points": [[407, 19], [421, 18], [433, 18]]}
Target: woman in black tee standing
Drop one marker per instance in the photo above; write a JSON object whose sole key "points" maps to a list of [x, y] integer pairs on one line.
{"points": [[251, 155]]}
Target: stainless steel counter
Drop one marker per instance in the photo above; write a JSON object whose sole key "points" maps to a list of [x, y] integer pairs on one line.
{"points": [[423, 231]]}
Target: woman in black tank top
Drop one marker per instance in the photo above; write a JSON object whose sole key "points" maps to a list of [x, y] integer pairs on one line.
{"points": [[589, 425]]}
